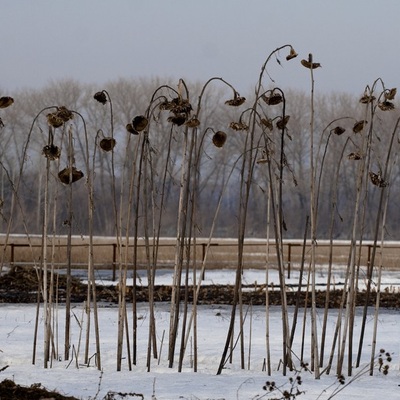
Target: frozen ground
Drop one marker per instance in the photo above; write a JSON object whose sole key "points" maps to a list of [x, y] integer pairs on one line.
{"points": [[390, 278], [75, 379]]}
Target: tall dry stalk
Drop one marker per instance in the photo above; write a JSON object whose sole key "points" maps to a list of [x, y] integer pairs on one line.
{"points": [[356, 223], [91, 301], [67, 334], [380, 225], [311, 65], [330, 256]]}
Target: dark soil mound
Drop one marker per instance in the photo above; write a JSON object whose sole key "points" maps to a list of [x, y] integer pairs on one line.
{"points": [[11, 391], [20, 285]]}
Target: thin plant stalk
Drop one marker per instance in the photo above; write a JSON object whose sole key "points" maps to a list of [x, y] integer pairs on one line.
{"points": [[350, 273], [67, 334], [47, 309], [180, 245], [330, 257], [379, 281], [297, 305], [313, 228], [267, 319], [373, 253]]}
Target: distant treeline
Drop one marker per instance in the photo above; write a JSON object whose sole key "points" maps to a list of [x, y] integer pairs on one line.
{"points": [[219, 171]]}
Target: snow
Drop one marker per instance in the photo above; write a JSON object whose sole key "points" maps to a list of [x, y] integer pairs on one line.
{"points": [[390, 278], [87, 382]]}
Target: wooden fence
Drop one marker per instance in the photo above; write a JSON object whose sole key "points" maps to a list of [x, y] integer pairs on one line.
{"points": [[222, 253]]}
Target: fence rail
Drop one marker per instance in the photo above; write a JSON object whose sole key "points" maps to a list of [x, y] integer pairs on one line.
{"points": [[221, 253]]}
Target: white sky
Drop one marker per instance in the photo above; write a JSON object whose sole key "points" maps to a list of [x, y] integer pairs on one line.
{"points": [[95, 41]]}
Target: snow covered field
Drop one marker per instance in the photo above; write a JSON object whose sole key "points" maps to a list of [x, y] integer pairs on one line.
{"points": [[87, 382], [74, 379], [390, 278]]}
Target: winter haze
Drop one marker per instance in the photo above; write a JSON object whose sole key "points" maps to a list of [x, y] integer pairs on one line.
{"points": [[95, 41]]}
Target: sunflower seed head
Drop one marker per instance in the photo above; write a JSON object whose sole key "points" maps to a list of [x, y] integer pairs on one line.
{"points": [[100, 97], [178, 105], [178, 119], [267, 122], [390, 94], [386, 105], [359, 126], [140, 123], [6, 101], [377, 179], [338, 130], [273, 100], [354, 156], [54, 120], [366, 98], [282, 122], [219, 138], [192, 122], [63, 113], [130, 129], [292, 54], [236, 101], [107, 144], [310, 65], [51, 152], [238, 126], [65, 175]]}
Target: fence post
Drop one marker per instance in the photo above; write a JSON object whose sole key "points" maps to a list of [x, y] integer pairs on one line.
{"points": [[12, 254], [203, 246], [114, 260], [289, 259], [369, 256]]}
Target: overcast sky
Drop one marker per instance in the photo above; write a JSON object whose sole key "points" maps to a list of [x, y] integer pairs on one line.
{"points": [[95, 41]]}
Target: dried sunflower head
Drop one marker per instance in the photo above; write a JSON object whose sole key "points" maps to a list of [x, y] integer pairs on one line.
{"points": [[178, 119], [140, 123], [386, 105], [192, 122], [359, 126], [282, 122], [219, 138], [130, 129], [238, 126], [292, 54], [107, 144], [178, 105], [366, 98], [354, 156], [338, 130], [6, 101], [377, 179], [274, 99], [54, 120], [165, 105], [65, 114], [100, 97], [390, 94], [267, 122], [310, 65], [65, 175], [51, 152], [236, 101]]}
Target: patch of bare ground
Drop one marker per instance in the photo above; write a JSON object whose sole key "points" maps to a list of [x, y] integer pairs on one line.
{"points": [[11, 391], [20, 285]]}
